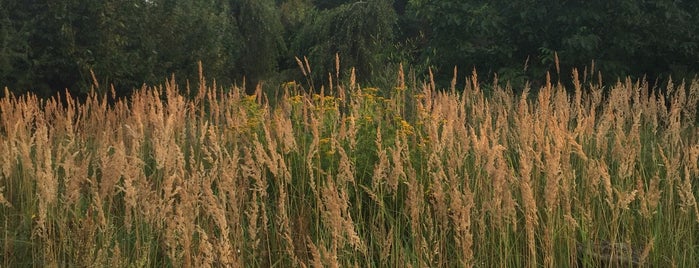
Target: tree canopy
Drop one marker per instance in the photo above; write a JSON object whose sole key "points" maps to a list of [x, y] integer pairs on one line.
{"points": [[49, 46]]}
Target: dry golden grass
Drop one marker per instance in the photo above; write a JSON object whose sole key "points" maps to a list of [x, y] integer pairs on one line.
{"points": [[410, 176]]}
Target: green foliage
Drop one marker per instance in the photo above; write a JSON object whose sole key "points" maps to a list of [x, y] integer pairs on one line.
{"points": [[48, 46], [260, 27], [53, 44], [361, 33], [110, 42], [14, 45], [463, 30], [330, 4], [655, 38], [188, 31]]}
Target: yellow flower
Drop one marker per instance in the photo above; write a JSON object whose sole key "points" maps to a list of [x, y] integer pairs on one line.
{"points": [[371, 90], [289, 84], [250, 98], [296, 99], [406, 127]]}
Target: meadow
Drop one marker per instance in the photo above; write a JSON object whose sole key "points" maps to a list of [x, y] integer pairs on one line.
{"points": [[352, 176]]}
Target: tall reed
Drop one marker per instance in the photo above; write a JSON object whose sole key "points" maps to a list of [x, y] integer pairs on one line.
{"points": [[349, 175]]}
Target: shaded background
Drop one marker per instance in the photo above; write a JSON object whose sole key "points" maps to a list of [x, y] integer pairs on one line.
{"points": [[49, 46]]}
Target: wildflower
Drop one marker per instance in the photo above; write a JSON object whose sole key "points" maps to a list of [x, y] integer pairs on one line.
{"points": [[296, 99], [406, 127], [372, 90]]}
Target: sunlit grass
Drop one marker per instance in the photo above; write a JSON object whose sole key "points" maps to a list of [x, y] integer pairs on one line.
{"points": [[348, 175]]}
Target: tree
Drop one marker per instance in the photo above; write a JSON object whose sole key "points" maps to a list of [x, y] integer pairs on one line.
{"points": [[53, 47], [183, 32], [260, 28], [116, 46], [361, 33], [467, 34], [329, 4], [623, 37], [14, 46]]}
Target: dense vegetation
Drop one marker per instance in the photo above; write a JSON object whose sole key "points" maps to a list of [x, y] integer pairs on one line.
{"points": [[48, 46], [359, 143], [353, 176]]}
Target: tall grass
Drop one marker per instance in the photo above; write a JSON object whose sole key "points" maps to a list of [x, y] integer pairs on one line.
{"points": [[408, 176]]}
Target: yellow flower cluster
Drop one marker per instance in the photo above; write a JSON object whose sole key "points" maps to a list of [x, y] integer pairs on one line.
{"points": [[406, 128], [296, 99]]}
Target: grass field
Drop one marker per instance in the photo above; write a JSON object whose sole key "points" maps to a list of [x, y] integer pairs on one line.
{"points": [[353, 176]]}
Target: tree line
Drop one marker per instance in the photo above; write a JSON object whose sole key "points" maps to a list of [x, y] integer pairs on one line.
{"points": [[48, 46]]}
